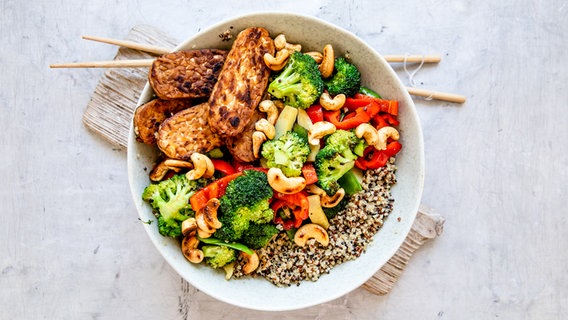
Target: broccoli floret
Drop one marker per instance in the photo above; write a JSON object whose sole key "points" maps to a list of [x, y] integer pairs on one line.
{"points": [[288, 152], [331, 165], [246, 200], [333, 211], [346, 78], [258, 235], [345, 142], [300, 83], [218, 256], [170, 201]]}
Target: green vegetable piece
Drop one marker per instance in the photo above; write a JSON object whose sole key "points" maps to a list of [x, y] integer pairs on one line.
{"points": [[346, 78], [217, 256], [289, 153], [232, 245], [300, 83], [369, 92], [350, 183], [170, 201]]}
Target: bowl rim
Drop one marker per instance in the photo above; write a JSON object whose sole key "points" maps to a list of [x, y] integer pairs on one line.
{"points": [[420, 179]]}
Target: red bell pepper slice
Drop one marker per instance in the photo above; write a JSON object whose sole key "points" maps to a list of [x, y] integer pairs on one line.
{"points": [[388, 106], [350, 121], [223, 166], [297, 203], [315, 113], [309, 173], [215, 189], [374, 159], [379, 122]]}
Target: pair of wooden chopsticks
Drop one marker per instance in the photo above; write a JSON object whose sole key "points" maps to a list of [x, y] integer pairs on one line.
{"points": [[429, 94]]}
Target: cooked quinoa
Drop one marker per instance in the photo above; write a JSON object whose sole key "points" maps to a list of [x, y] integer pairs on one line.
{"points": [[283, 263]]}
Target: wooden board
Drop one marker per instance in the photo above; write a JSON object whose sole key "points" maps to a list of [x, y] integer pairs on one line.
{"points": [[110, 111]]}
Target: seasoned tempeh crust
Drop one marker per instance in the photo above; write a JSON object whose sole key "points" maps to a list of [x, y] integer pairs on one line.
{"points": [[240, 146], [149, 116], [187, 132], [241, 83], [186, 74]]}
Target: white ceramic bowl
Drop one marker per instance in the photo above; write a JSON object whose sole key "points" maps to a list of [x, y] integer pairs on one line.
{"points": [[377, 74]]}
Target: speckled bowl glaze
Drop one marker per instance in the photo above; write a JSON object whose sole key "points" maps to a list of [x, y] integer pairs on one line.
{"points": [[377, 74]]}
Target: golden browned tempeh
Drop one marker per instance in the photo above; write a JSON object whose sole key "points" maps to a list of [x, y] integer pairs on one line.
{"points": [[187, 132], [149, 116], [241, 83], [186, 74]]}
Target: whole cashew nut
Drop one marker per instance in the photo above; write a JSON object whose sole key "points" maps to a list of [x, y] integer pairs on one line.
{"points": [[189, 248], [251, 262], [385, 133], [265, 127], [330, 104], [270, 109], [328, 61], [325, 200], [319, 130], [280, 43], [206, 217], [279, 182], [258, 139], [311, 231], [175, 163], [160, 170], [202, 167], [278, 62], [369, 133]]}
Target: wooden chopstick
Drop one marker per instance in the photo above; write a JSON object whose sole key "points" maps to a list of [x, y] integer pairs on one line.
{"points": [[443, 96], [130, 44], [162, 50], [136, 63], [413, 58]]}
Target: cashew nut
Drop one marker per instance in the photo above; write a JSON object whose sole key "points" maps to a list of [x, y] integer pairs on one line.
{"points": [[251, 262], [202, 167], [325, 200], [280, 43], [279, 182], [319, 130], [189, 248], [328, 61], [161, 169], [174, 163], [258, 139], [266, 127], [332, 104], [206, 217], [311, 231], [188, 226], [369, 133], [318, 56], [278, 62], [270, 109], [385, 133]]}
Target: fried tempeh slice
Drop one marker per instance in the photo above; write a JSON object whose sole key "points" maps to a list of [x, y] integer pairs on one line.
{"points": [[242, 82], [149, 116], [186, 74], [240, 146], [187, 132]]}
